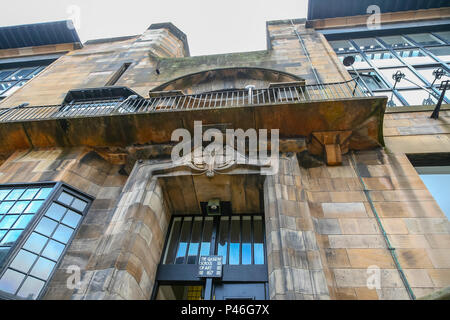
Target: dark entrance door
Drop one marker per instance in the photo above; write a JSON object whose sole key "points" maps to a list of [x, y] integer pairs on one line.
{"points": [[239, 239]]}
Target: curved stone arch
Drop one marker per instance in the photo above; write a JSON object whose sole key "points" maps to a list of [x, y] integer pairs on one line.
{"points": [[227, 78]]}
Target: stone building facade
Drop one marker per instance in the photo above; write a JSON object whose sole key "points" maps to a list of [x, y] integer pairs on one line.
{"points": [[345, 216]]}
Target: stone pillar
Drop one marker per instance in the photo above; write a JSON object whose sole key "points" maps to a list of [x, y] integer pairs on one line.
{"points": [[125, 262], [294, 262]]}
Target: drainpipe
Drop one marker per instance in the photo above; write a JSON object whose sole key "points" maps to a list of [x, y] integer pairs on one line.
{"points": [[383, 232]]}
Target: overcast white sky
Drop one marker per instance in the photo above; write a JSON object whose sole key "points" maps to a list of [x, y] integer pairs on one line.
{"points": [[211, 26]]}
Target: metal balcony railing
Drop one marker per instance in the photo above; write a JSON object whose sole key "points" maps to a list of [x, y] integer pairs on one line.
{"points": [[277, 94]]}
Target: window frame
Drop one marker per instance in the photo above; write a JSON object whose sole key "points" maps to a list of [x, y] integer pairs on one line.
{"points": [[58, 188], [438, 63]]}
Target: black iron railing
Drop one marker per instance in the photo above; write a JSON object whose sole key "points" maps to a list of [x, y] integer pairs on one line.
{"points": [[278, 94]]}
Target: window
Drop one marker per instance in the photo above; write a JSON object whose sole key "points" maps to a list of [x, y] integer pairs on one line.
{"points": [[393, 101], [359, 61], [342, 46], [396, 41], [418, 97], [442, 53], [414, 56], [37, 224], [13, 79], [425, 39], [383, 59], [388, 73], [371, 79], [427, 73], [368, 44], [240, 239], [444, 35], [437, 181]]}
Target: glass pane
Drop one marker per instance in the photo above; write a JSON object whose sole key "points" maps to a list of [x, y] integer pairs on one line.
{"points": [[235, 240], [442, 53], [5, 86], [4, 193], [184, 238], [427, 73], [368, 44], [21, 74], [383, 59], [23, 221], [8, 221], [65, 198], [179, 292], [42, 268], [5, 73], [46, 226], [195, 240], [11, 281], [79, 204], [56, 211], [207, 234], [34, 206], [35, 242], [2, 233], [71, 219], [370, 78], [393, 101], [414, 56], [444, 35], [173, 241], [5, 206], [63, 234], [35, 72], [341, 46], [29, 194], [388, 73], [222, 245], [246, 240], [11, 237], [19, 207], [418, 97], [16, 87], [31, 288], [425, 39], [43, 194], [53, 250], [437, 181], [23, 261], [258, 239], [15, 194], [396, 41]]}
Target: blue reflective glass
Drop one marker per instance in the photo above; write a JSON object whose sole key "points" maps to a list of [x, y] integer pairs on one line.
{"points": [[29, 194], [42, 268], [2, 233], [5, 206], [23, 261], [23, 221], [246, 240], [35, 242], [55, 211], [34, 206], [71, 219], [19, 207], [222, 245], [15, 194], [11, 281], [235, 244], [4, 193], [8, 222], [46, 226], [31, 288], [79, 204], [43, 194], [62, 234], [11, 237], [53, 250], [65, 198]]}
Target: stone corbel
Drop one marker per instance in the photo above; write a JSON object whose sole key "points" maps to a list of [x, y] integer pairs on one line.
{"points": [[330, 144]]}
